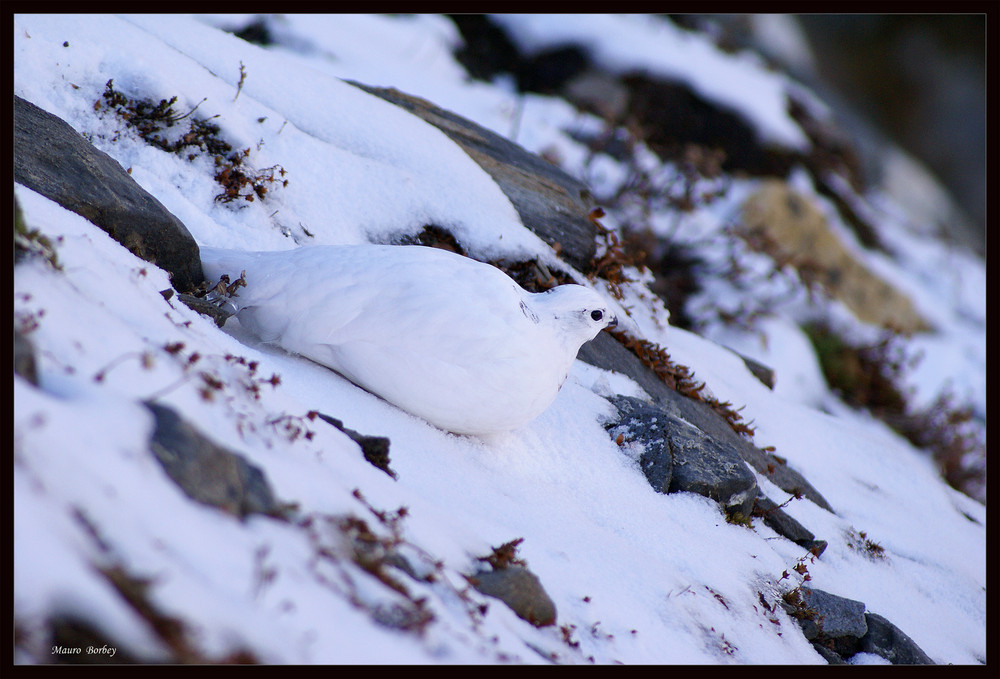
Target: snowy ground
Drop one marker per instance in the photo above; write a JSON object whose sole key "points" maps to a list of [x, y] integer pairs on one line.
{"points": [[637, 577]]}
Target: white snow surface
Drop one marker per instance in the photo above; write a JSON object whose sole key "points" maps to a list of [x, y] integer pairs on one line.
{"points": [[637, 577]]}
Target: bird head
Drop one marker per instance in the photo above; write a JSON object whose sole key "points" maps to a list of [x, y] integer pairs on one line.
{"points": [[578, 312]]}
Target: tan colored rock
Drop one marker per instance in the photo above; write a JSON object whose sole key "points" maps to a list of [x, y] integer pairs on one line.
{"points": [[792, 230]]}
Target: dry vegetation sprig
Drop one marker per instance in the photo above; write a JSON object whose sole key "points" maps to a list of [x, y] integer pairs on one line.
{"points": [[340, 540], [680, 378], [859, 541], [173, 632], [33, 242], [151, 121], [613, 257], [505, 555], [870, 377]]}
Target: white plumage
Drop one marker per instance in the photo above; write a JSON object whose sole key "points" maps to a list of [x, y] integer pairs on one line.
{"points": [[452, 340]]}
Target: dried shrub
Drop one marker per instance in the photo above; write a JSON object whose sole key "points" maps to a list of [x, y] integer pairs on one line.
{"points": [[870, 376], [505, 555], [155, 123], [32, 242], [680, 378]]}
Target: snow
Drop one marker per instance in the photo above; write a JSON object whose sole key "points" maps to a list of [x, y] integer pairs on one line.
{"points": [[637, 577]]}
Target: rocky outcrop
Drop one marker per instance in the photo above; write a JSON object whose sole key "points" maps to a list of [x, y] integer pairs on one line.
{"points": [[885, 639], [780, 522], [840, 628], [788, 227], [374, 448], [677, 456], [604, 352], [550, 202], [53, 159]]}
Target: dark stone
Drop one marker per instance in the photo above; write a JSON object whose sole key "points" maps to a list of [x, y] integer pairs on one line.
{"points": [[839, 623], [887, 640], [831, 657], [777, 471], [648, 426], [674, 116], [255, 32], [521, 590], [781, 523], [554, 205], [208, 473], [607, 353], [52, 158], [708, 467], [24, 358], [602, 94], [374, 448], [833, 156], [548, 71], [486, 49], [684, 455]]}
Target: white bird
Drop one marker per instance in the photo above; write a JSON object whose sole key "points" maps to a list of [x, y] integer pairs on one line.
{"points": [[444, 337]]}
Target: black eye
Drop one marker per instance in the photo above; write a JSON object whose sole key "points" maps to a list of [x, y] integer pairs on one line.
{"points": [[597, 315]]}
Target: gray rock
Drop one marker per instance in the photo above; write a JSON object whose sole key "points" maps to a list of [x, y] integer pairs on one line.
{"points": [[677, 456], [783, 524], [839, 623], [24, 358], [829, 656], [698, 463], [551, 203], [607, 353], [208, 473], [521, 590], [649, 426], [598, 91], [777, 471], [709, 467], [52, 158], [885, 639]]}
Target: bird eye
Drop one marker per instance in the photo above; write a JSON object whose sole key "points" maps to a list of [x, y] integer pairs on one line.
{"points": [[597, 315]]}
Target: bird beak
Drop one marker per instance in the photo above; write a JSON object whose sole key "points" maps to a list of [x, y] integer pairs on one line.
{"points": [[613, 323]]}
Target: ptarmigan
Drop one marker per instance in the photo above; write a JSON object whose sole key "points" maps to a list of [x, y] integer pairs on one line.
{"points": [[444, 337]]}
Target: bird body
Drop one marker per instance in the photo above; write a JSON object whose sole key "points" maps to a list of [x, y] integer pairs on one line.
{"points": [[450, 339]]}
